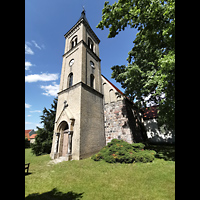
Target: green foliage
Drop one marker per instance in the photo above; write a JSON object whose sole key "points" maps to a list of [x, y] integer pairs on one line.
{"points": [[27, 143], [138, 146], [123, 152], [43, 140], [151, 69], [144, 156]]}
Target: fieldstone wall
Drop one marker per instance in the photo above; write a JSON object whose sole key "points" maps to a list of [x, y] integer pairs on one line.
{"points": [[122, 121], [116, 122]]}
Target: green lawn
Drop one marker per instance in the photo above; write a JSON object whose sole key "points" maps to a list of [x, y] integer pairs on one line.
{"points": [[87, 179]]}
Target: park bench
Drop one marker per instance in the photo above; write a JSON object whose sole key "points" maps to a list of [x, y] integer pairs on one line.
{"points": [[27, 166]]}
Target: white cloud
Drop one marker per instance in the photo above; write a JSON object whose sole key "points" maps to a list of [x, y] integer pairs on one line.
{"points": [[28, 123], [28, 50], [36, 45], [41, 77], [29, 115], [27, 105], [28, 65], [33, 111], [50, 90]]}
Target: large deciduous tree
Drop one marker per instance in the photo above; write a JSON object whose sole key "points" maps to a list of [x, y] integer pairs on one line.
{"points": [[150, 73]]}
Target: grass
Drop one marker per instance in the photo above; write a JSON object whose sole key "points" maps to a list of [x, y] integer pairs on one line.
{"points": [[90, 180]]}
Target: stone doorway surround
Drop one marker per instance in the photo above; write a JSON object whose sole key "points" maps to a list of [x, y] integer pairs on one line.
{"points": [[64, 141]]}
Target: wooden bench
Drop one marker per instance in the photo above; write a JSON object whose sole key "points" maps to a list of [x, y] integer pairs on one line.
{"points": [[27, 167]]}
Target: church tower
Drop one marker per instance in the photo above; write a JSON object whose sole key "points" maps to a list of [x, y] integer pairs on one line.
{"points": [[79, 123]]}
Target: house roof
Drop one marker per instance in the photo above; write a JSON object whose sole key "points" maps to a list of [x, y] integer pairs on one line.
{"points": [[27, 134], [85, 21], [118, 90], [150, 112], [33, 136]]}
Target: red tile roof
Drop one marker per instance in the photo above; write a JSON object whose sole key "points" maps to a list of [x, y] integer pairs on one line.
{"points": [[33, 136], [118, 89], [27, 134], [113, 85], [151, 112]]}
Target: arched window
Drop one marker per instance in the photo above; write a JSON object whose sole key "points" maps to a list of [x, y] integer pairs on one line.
{"points": [[112, 95], [74, 41], [91, 44], [92, 80], [70, 79]]}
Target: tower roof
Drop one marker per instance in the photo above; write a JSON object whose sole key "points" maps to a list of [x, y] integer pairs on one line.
{"points": [[83, 16], [83, 20]]}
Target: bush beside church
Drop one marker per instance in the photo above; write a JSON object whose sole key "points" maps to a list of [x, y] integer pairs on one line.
{"points": [[123, 152]]}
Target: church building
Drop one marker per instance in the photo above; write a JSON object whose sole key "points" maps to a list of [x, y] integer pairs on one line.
{"points": [[91, 111]]}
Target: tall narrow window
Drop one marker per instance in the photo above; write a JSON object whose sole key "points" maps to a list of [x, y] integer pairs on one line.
{"points": [[92, 80], [112, 95], [70, 79], [91, 44]]}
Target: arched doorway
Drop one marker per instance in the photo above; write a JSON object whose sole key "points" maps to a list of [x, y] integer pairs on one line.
{"points": [[63, 140]]}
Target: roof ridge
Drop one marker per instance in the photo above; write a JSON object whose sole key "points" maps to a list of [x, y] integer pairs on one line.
{"points": [[114, 86], [119, 90]]}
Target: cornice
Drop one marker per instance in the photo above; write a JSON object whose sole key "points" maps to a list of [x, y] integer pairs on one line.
{"points": [[85, 86]]}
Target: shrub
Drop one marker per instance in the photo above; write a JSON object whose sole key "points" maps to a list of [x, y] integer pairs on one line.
{"points": [[27, 143], [123, 152], [138, 146], [96, 157], [144, 157]]}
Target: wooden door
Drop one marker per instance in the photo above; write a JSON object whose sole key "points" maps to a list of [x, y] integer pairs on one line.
{"points": [[65, 144]]}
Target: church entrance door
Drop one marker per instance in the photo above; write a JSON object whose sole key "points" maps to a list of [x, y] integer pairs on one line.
{"points": [[63, 143]]}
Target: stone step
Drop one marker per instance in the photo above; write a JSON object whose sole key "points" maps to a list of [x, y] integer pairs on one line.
{"points": [[60, 159]]}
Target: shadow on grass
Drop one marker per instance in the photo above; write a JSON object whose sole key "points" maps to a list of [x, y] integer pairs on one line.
{"points": [[27, 173], [55, 194], [166, 152]]}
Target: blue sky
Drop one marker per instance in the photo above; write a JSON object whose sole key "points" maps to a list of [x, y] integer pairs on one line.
{"points": [[46, 22]]}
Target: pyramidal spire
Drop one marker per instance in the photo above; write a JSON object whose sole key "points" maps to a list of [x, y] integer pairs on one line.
{"points": [[83, 15], [83, 9], [83, 12]]}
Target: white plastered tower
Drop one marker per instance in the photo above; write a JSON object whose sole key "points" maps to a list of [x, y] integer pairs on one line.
{"points": [[79, 123]]}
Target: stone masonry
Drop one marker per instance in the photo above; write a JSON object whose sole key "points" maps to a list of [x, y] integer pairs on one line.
{"points": [[116, 122]]}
